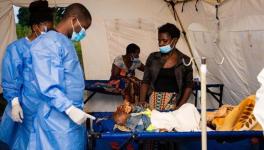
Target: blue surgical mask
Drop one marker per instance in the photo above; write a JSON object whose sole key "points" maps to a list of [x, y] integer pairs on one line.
{"points": [[165, 49], [78, 36]]}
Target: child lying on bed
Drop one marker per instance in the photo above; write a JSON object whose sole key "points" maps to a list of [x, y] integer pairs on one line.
{"points": [[137, 118]]}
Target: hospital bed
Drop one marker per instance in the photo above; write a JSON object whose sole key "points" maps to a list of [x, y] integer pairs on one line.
{"points": [[102, 137], [90, 87], [217, 95]]}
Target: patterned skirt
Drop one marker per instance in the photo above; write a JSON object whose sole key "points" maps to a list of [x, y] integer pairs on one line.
{"points": [[163, 101]]}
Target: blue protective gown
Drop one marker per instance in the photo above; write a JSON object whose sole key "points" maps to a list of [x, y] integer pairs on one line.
{"points": [[12, 81], [60, 81], [52, 82]]}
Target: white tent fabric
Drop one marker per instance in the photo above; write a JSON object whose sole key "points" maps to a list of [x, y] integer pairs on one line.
{"points": [[110, 33], [117, 23], [239, 39], [237, 36], [8, 30]]}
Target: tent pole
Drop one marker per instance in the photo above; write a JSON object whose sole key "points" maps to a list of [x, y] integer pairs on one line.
{"points": [[203, 102], [176, 17]]}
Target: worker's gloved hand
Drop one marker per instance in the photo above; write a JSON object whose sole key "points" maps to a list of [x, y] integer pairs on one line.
{"points": [[77, 115], [17, 112]]}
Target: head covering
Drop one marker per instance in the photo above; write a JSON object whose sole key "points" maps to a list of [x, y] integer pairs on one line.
{"points": [[40, 12]]}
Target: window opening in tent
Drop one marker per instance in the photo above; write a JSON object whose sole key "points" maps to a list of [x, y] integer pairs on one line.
{"points": [[23, 29]]}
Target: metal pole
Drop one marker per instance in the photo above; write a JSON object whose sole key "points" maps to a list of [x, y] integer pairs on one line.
{"points": [[176, 17], [91, 125], [203, 102]]}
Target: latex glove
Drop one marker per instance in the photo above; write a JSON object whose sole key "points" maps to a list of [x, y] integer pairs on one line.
{"points": [[16, 112], [77, 115]]}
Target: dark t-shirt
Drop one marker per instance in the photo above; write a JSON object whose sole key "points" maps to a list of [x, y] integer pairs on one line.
{"points": [[183, 74], [166, 81]]}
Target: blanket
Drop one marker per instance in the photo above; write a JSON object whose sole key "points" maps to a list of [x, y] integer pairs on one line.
{"points": [[235, 118]]}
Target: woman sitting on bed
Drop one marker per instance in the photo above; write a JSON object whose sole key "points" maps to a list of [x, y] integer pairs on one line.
{"points": [[123, 68]]}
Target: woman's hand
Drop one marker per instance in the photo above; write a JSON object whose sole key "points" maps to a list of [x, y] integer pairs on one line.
{"points": [[143, 104]]}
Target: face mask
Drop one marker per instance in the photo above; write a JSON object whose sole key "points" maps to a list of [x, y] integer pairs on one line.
{"points": [[136, 60], [41, 32], [45, 30], [78, 36], [165, 49]]}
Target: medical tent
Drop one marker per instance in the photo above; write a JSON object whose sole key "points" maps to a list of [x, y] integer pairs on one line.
{"points": [[215, 29]]}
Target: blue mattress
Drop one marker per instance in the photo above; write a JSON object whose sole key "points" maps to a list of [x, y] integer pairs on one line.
{"points": [[187, 140]]}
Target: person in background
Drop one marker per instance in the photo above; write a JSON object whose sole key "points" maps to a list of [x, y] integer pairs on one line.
{"points": [[13, 69], [166, 79], [123, 68]]}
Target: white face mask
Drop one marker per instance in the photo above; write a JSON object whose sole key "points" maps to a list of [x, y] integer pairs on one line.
{"points": [[45, 30], [42, 32]]}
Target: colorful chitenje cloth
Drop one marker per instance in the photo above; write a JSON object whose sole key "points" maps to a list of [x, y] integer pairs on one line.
{"points": [[162, 101]]}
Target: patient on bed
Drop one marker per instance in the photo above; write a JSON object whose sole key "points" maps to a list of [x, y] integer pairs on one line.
{"points": [[235, 118], [187, 118], [137, 118]]}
